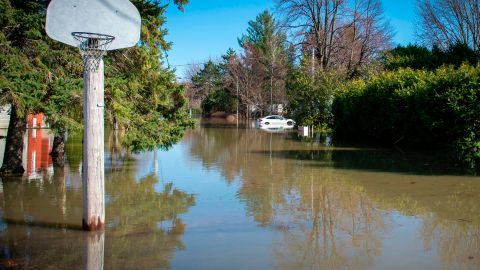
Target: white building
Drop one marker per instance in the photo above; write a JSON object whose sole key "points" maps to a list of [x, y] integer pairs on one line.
{"points": [[4, 120], [4, 117]]}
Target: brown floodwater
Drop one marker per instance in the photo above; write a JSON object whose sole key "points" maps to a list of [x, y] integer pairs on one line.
{"points": [[229, 197]]}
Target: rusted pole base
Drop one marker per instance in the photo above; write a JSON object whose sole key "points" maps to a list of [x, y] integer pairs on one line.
{"points": [[93, 225]]}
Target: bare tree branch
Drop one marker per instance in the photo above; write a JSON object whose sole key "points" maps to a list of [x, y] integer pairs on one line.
{"points": [[447, 22]]}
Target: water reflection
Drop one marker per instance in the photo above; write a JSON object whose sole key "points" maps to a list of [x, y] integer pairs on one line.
{"points": [[276, 129], [43, 203], [3, 135], [324, 222], [458, 243], [36, 152], [337, 225], [262, 201], [144, 226], [37, 149], [335, 207]]}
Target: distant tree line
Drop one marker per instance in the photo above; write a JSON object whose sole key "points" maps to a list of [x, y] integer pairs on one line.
{"points": [[313, 38], [332, 66], [254, 79]]}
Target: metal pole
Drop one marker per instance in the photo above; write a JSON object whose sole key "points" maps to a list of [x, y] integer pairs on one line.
{"points": [[93, 174]]}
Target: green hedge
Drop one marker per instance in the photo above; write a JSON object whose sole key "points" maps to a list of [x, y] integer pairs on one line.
{"points": [[309, 101], [419, 57], [429, 109]]}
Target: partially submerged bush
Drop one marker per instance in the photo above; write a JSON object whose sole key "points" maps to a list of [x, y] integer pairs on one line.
{"points": [[429, 109], [310, 101]]}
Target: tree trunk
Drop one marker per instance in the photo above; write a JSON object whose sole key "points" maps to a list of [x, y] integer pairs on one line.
{"points": [[58, 150], [17, 127]]}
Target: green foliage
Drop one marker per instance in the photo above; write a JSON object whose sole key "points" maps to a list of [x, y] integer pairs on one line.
{"points": [[181, 4], [219, 100], [309, 101], [227, 58], [62, 104], [42, 75], [429, 109], [210, 84], [418, 57], [22, 84], [207, 80], [269, 42], [260, 31], [141, 95], [266, 57]]}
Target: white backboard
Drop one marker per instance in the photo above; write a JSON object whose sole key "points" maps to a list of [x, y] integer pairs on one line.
{"points": [[118, 18]]}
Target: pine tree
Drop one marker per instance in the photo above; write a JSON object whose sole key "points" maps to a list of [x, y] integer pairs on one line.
{"points": [[22, 84], [41, 75], [142, 96], [265, 44]]}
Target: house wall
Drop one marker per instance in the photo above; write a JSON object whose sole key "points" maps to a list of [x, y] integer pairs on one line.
{"points": [[3, 133], [4, 117]]}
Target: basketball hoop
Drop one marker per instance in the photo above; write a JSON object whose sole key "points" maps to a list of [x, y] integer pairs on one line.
{"points": [[77, 23], [92, 48]]}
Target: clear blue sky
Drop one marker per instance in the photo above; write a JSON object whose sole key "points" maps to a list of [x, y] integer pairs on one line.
{"points": [[209, 27]]}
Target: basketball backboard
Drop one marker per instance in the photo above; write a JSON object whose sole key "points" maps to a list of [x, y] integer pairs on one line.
{"points": [[117, 18]]}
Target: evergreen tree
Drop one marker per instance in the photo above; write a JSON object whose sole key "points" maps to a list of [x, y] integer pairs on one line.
{"points": [[142, 96], [207, 80], [22, 82], [41, 75], [419, 57], [265, 43], [210, 85]]}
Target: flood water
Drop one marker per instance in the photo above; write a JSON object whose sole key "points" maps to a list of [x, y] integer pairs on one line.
{"points": [[242, 198]]}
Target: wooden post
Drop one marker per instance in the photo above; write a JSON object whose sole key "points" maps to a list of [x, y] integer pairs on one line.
{"points": [[93, 149]]}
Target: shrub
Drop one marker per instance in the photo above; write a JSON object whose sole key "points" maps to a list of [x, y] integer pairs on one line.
{"points": [[429, 109], [309, 101], [418, 57], [219, 100]]}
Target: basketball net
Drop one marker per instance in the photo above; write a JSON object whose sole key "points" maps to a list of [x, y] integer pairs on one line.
{"points": [[92, 48]]}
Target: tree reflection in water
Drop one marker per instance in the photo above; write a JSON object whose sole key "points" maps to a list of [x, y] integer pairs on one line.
{"points": [[314, 207], [447, 206], [329, 224], [143, 231], [144, 227], [458, 242], [325, 222], [333, 206]]}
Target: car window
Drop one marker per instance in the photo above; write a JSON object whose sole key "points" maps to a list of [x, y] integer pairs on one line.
{"points": [[270, 117]]}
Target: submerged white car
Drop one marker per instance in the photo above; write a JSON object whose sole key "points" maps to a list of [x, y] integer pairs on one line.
{"points": [[275, 121]]}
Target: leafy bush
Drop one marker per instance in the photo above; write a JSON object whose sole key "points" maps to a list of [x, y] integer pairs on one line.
{"points": [[309, 101], [219, 100], [429, 109], [418, 57]]}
